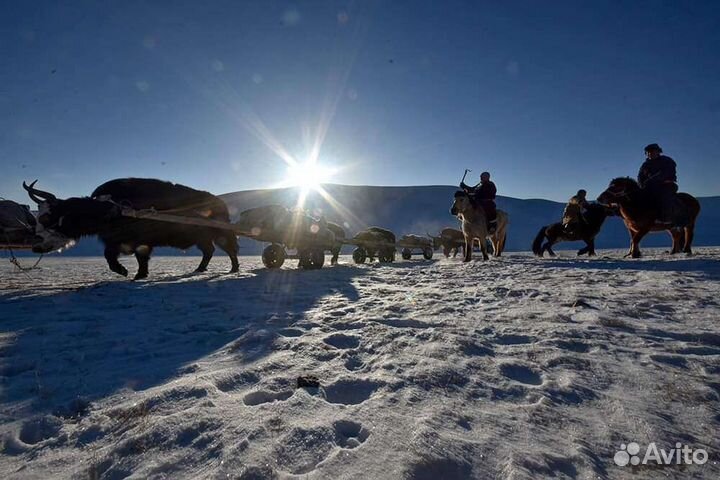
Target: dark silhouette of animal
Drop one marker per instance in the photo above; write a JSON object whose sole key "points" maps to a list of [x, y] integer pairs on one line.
{"points": [[339, 237], [474, 226], [451, 240], [639, 211], [17, 225], [100, 215], [376, 242], [586, 231]]}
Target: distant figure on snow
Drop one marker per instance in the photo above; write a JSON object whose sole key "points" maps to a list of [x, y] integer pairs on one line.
{"points": [[658, 177], [573, 213], [483, 195]]}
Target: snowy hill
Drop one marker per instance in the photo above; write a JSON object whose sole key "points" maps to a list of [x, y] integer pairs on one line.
{"points": [[421, 209]]}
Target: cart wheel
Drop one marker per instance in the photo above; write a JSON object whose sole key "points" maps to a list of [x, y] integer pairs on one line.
{"points": [[427, 253], [406, 254], [273, 256], [359, 255]]}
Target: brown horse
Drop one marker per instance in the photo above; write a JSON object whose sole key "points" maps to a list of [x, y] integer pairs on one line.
{"points": [[639, 212]]}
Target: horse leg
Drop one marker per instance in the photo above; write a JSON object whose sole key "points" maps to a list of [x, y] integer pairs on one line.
{"points": [[482, 243], [207, 249], [689, 236], [502, 243], [112, 252], [228, 244], [548, 246], [142, 255], [468, 248], [483, 249], [635, 243], [676, 235]]}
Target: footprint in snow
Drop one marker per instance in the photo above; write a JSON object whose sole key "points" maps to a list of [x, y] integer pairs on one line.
{"points": [[350, 392], [259, 397], [354, 363], [521, 374], [511, 339], [342, 341], [39, 429], [291, 332], [350, 434], [236, 381]]}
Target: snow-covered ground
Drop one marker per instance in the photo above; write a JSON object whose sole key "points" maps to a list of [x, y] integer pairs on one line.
{"points": [[511, 368]]}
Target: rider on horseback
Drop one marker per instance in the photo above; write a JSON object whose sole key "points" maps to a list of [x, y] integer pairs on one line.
{"points": [[658, 177], [573, 213], [483, 195]]}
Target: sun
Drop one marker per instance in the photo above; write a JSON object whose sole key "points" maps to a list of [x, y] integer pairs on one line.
{"points": [[308, 175]]}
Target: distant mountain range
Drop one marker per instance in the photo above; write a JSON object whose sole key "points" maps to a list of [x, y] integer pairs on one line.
{"points": [[424, 209]]}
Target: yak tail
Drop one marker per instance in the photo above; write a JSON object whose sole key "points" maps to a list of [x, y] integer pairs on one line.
{"points": [[537, 244]]}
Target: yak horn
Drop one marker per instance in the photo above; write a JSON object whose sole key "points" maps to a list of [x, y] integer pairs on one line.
{"points": [[38, 196]]}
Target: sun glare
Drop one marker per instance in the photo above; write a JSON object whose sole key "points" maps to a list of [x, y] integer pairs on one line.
{"points": [[308, 176]]}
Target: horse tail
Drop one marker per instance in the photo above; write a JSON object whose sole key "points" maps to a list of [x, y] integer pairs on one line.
{"points": [[537, 244]]}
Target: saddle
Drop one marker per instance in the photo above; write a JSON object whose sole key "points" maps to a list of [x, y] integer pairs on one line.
{"points": [[490, 210]]}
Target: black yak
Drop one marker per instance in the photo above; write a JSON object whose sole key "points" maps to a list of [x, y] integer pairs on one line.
{"points": [[62, 220]]}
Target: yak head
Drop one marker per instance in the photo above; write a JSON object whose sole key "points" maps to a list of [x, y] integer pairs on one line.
{"points": [[61, 222], [436, 241]]}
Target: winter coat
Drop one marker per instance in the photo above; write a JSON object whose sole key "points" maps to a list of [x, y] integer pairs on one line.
{"points": [[657, 172]]}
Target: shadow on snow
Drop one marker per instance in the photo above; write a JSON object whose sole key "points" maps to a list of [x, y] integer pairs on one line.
{"points": [[91, 343]]}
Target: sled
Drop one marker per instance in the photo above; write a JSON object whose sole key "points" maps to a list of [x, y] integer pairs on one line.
{"points": [[282, 228], [415, 245], [371, 243]]}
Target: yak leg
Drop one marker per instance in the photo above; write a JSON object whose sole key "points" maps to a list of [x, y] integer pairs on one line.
{"points": [[142, 254], [228, 244], [335, 256], [446, 252], [207, 250], [112, 252]]}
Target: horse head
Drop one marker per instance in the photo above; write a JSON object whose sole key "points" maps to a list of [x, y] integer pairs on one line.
{"points": [[460, 204], [619, 189]]}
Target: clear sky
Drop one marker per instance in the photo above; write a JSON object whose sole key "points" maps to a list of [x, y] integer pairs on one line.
{"points": [[548, 96]]}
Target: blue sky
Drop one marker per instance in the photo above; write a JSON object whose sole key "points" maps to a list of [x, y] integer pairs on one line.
{"points": [[548, 96]]}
